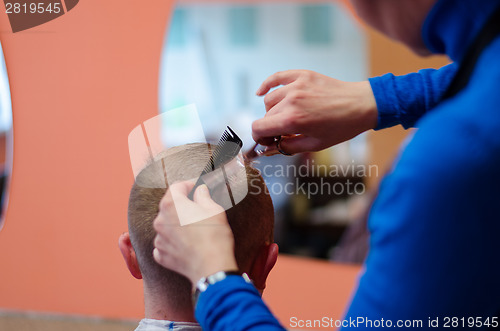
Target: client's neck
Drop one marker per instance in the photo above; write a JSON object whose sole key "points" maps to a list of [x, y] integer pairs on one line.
{"points": [[157, 306]]}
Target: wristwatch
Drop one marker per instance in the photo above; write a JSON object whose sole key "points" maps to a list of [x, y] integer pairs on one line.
{"points": [[205, 282]]}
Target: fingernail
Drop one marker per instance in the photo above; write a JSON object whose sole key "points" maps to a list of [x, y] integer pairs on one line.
{"points": [[203, 189]]}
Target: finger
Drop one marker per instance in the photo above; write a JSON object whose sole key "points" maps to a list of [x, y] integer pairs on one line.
{"points": [[266, 141], [160, 258], [272, 149], [159, 243], [299, 144], [182, 187], [279, 78], [268, 127], [180, 193], [202, 194], [174, 201], [162, 247], [165, 220], [274, 97], [203, 198]]}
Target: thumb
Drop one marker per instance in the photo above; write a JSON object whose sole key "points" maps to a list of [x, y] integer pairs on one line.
{"points": [[203, 198], [299, 144]]}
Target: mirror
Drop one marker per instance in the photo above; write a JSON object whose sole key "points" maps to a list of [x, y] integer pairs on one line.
{"points": [[5, 137], [216, 55]]}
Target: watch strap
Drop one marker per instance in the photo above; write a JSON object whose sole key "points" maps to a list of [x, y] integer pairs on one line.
{"points": [[203, 284]]}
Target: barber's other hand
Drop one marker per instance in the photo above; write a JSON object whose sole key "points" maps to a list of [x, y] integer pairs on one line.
{"points": [[195, 250], [312, 111]]}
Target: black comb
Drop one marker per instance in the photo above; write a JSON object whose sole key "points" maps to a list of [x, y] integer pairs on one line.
{"points": [[227, 149]]}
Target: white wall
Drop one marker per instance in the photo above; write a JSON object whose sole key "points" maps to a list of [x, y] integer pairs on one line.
{"points": [[221, 78]]}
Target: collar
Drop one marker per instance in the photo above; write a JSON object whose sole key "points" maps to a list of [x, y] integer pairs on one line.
{"points": [[452, 25]]}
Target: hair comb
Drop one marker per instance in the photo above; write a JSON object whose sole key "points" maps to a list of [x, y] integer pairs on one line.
{"points": [[227, 149]]}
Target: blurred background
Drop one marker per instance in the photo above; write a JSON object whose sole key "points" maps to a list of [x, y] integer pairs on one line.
{"points": [[216, 56], [66, 157]]}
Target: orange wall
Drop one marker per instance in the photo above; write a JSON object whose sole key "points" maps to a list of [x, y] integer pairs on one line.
{"points": [[79, 85], [309, 289]]}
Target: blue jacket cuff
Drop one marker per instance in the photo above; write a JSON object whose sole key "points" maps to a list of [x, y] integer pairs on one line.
{"points": [[387, 103]]}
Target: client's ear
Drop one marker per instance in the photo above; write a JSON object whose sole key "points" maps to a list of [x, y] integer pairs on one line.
{"points": [[265, 261], [129, 256]]}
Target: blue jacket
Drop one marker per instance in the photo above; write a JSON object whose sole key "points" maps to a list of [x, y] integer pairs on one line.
{"points": [[435, 226]]}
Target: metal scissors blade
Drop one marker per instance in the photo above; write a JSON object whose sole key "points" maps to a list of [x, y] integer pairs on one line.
{"points": [[256, 152]]}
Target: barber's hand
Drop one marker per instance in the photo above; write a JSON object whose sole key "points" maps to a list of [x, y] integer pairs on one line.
{"points": [[312, 111], [195, 250]]}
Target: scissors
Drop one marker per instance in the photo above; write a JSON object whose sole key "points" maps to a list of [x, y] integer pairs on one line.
{"points": [[255, 152]]}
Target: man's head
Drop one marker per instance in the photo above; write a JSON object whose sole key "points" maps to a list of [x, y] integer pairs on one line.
{"points": [[251, 220], [401, 20]]}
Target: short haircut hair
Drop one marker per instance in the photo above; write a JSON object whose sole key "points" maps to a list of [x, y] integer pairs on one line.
{"points": [[251, 220]]}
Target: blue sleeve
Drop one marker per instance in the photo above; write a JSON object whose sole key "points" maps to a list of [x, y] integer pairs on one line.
{"points": [[434, 227], [232, 305], [404, 99]]}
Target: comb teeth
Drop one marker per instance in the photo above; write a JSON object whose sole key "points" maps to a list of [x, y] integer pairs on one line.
{"points": [[228, 147]]}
